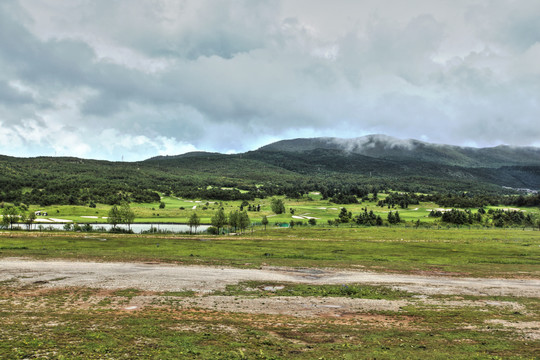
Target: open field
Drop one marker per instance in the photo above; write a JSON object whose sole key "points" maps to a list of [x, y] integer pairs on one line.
{"points": [[114, 314], [179, 210], [464, 252], [302, 293]]}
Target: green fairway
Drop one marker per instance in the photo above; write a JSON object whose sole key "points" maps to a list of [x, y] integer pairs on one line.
{"points": [[178, 210]]}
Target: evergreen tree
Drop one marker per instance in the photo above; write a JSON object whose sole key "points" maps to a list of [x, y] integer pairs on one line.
{"points": [[277, 206], [391, 218]]}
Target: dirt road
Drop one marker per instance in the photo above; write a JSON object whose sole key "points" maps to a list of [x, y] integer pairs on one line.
{"points": [[164, 277]]}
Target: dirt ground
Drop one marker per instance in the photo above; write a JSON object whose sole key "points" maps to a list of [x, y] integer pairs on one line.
{"points": [[201, 279], [155, 279]]}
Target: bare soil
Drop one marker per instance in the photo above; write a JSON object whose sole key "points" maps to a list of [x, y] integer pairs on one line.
{"points": [[201, 279], [31, 278]]}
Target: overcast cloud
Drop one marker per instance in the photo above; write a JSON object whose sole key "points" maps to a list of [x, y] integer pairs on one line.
{"points": [[137, 78]]}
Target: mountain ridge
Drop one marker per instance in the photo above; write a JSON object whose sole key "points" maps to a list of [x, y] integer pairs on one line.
{"points": [[309, 164], [390, 148]]}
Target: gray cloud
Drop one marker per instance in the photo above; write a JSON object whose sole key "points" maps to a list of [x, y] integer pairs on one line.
{"points": [[99, 79]]}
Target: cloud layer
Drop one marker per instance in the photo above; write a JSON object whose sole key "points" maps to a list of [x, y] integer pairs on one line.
{"points": [[139, 78]]}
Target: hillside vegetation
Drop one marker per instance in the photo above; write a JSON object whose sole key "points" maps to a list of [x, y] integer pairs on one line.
{"points": [[289, 167]]}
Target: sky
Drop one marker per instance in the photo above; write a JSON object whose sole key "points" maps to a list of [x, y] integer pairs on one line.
{"points": [[132, 79]]}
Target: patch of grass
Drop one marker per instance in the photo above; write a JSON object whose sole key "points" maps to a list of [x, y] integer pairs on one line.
{"points": [[128, 293], [354, 291], [185, 293]]}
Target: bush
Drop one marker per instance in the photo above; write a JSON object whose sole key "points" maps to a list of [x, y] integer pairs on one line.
{"points": [[212, 230], [120, 231], [277, 206]]}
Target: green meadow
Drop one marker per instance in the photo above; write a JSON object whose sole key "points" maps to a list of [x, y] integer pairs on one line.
{"points": [[178, 210], [470, 252]]}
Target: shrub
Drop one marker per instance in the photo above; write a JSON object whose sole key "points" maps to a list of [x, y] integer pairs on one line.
{"points": [[212, 230]]}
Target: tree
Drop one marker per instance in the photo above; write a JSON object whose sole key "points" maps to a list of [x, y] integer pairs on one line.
{"points": [[114, 216], [219, 220], [312, 221], [234, 220], [29, 220], [243, 220], [277, 206], [264, 221], [161, 205], [291, 224], [126, 214], [391, 218], [11, 216], [23, 217], [194, 222], [344, 216]]}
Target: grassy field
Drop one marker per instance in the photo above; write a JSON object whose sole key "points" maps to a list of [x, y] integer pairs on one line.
{"points": [[179, 210], [477, 252], [84, 323]]}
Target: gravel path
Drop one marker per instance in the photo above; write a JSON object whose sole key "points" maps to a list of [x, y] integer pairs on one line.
{"points": [[166, 277]]}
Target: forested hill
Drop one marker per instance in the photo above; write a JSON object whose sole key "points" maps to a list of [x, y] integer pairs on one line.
{"points": [[389, 148], [285, 167]]}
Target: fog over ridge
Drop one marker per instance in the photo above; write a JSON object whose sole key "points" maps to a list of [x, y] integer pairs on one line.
{"points": [[372, 141]]}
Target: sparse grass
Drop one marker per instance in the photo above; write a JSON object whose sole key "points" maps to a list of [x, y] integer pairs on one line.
{"points": [[185, 293], [128, 293], [63, 328], [353, 291]]}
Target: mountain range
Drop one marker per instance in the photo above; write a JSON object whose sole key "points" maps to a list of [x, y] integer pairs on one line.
{"points": [[386, 157], [374, 160], [390, 148]]}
